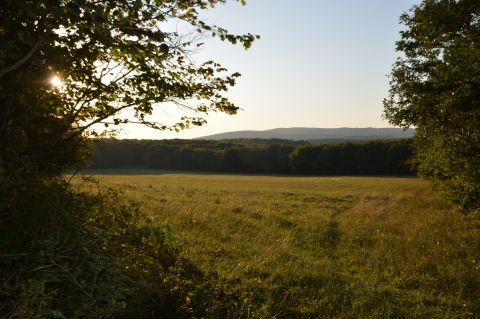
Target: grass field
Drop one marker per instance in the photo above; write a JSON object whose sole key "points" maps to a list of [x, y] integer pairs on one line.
{"points": [[316, 247]]}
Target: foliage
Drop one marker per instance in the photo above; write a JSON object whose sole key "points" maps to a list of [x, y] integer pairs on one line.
{"points": [[434, 87], [371, 158], [66, 254], [112, 57], [68, 70], [260, 157]]}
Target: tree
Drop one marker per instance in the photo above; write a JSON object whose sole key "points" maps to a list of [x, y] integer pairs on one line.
{"points": [[435, 88], [68, 66]]}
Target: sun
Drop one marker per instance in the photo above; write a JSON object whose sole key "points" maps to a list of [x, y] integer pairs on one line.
{"points": [[55, 81]]}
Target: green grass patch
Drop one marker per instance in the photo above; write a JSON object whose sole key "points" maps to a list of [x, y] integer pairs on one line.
{"points": [[321, 247]]}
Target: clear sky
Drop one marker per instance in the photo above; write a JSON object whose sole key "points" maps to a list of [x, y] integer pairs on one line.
{"points": [[319, 63]]}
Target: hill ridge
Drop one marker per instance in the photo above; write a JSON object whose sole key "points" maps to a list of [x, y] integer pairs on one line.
{"points": [[314, 133]]}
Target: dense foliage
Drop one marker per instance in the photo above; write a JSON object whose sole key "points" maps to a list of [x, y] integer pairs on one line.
{"points": [[67, 254], [257, 156], [435, 88], [113, 62], [69, 69]]}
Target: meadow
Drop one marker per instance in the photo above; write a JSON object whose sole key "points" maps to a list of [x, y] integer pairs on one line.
{"points": [[319, 247]]}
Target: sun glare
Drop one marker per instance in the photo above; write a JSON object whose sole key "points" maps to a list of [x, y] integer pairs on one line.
{"points": [[55, 81]]}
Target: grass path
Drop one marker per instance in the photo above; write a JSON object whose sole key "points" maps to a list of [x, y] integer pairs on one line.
{"points": [[310, 247]]}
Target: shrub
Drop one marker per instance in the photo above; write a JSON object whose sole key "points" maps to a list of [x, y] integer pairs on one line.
{"points": [[68, 254]]}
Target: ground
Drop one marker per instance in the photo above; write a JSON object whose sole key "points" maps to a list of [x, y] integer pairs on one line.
{"points": [[310, 247]]}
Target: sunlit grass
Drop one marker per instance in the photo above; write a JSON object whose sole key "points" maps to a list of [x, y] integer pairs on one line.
{"points": [[311, 247]]}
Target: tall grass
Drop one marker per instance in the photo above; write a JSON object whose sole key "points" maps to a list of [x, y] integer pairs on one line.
{"points": [[74, 254], [321, 247]]}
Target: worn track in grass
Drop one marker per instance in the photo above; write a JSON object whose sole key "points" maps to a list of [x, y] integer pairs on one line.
{"points": [[310, 247]]}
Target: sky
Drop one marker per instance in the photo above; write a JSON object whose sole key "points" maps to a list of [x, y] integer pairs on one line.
{"points": [[318, 63]]}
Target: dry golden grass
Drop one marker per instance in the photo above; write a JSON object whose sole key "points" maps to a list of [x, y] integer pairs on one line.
{"points": [[348, 247]]}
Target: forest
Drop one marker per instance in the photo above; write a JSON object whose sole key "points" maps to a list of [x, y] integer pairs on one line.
{"points": [[257, 156]]}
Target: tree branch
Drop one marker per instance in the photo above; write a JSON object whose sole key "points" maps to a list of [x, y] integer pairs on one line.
{"points": [[25, 59], [114, 111]]}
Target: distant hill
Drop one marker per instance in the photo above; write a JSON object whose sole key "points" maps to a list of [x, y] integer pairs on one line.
{"points": [[318, 135]]}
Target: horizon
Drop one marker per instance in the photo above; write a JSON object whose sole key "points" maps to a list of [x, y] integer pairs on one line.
{"points": [[318, 64], [260, 131]]}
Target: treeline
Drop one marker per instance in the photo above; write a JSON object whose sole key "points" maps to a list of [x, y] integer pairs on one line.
{"points": [[257, 156]]}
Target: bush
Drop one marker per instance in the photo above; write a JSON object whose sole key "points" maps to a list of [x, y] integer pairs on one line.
{"points": [[68, 254]]}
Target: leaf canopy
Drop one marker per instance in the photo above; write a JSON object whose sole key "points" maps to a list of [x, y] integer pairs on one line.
{"points": [[435, 87], [112, 56]]}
